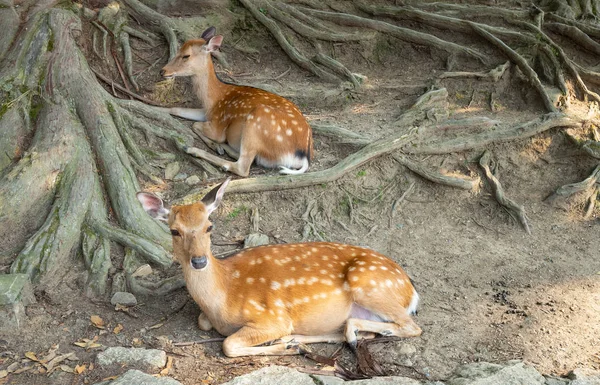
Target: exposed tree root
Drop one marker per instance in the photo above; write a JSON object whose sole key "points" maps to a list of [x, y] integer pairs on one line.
{"points": [[405, 34], [161, 23], [493, 74], [418, 114], [461, 182], [525, 130], [515, 210], [568, 190]]}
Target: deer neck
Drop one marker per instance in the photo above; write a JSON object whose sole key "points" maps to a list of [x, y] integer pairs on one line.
{"points": [[208, 287], [208, 87]]}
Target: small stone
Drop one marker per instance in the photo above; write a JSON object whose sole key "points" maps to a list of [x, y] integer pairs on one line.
{"points": [[123, 298], [132, 356], [256, 239], [171, 170], [407, 349], [192, 180], [142, 271], [180, 177]]}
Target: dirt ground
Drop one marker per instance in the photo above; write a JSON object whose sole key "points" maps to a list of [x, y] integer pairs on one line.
{"points": [[489, 291]]}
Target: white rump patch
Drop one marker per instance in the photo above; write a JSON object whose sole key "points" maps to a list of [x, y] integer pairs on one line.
{"points": [[414, 302]]}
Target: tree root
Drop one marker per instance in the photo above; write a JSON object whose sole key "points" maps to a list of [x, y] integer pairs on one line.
{"points": [[288, 48], [405, 34], [124, 39], [162, 24], [521, 63], [435, 100], [494, 74], [461, 182], [346, 136], [149, 250], [515, 210], [96, 255], [525, 130], [568, 190], [575, 34]]}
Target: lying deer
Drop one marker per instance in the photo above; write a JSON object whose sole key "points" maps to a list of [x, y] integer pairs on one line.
{"points": [[286, 295], [249, 123]]}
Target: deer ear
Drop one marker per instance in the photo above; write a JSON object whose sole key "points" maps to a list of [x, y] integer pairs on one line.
{"points": [[154, 206], [214, 44], [209, 33], [213, 199]]}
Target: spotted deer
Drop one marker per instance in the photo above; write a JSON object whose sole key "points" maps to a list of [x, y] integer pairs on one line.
{"points": [[248, 123], [269, 300]]}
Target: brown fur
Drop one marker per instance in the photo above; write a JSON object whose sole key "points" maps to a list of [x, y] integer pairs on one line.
{"points": [[253, 122], [268, 293]]}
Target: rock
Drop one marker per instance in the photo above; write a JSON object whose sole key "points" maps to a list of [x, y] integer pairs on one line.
{"points": [[123, 298], [119, 283], [584, 377], [180, 177], [330, 380], [132, 356], [171, 170], [193, 180], [135, 377], [256, 239], [15, 293], [142, 271], [484, 373], [273, 375]]}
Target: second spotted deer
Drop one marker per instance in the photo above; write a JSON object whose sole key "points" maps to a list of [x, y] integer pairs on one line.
{"points": [[286, 295], [248, 123]]}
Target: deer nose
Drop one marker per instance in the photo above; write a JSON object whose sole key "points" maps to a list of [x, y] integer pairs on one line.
{"points": [[162, 72], [199, 263]]}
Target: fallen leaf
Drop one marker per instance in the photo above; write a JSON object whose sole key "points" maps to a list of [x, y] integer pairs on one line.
{"points": [[118, 329], [168, 366], [31, 356], [12, 367], [42, 370], [56, 360], [3, 373], [87, 343], [67, 368], [80, 369], [109, 378], [97, 321], [136, 342], [155, 326], [23, 369]]}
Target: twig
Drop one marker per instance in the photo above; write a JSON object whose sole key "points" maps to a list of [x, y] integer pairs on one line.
{"points": [[128, 92], [398, 201], [121, 72], [511, 206], [569, 189], [198, 342]]}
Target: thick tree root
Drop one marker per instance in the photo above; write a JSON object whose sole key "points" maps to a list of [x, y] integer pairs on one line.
{"points": [[515, 210], [525, 130], [418, 114], [161, 23], [405, 34]]}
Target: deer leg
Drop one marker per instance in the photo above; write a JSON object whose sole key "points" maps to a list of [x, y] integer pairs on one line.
{"points": [[407, 328], [204, 322], [241, 167]]}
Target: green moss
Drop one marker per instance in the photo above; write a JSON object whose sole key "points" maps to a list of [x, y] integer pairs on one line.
{"points": [[35, 108], [237, 211], [361, 173]]}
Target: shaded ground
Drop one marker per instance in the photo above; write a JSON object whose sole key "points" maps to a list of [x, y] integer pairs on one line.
{"points": [[489, 291]]}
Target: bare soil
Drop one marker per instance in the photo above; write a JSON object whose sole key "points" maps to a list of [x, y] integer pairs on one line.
{"points": [[489, 291]]}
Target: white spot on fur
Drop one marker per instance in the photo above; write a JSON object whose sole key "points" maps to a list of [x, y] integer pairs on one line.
{"points": [[236, 274], [288, 132], [275, 285], [249, 280]]}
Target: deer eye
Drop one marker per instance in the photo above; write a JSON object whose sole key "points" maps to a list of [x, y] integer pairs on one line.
{"points": [[209, 229], [175, 233], [185, 57]]}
